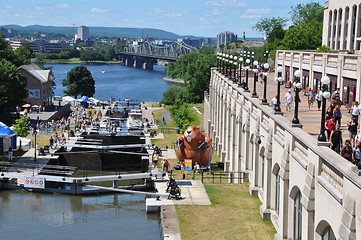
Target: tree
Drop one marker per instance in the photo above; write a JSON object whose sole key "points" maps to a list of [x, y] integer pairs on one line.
{"points": [[182, 115], [6, 52], [12, 87], [79, 81], [23, 54], [170, 95], [21, 126], [271, 27], [303, 13]]}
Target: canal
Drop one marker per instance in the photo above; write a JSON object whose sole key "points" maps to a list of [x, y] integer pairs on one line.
{"points": [[34, 216]]}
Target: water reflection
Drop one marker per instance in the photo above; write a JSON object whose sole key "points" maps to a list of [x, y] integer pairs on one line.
{"points": [[51, 216]]}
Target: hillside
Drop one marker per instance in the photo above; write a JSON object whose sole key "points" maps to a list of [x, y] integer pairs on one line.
{"points": [[98, 31]]}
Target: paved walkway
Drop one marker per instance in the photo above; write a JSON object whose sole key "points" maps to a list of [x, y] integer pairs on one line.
{"points": [[310, 119]]}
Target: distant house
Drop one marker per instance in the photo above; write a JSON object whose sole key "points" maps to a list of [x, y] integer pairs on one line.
{"points": [[39, 84]]}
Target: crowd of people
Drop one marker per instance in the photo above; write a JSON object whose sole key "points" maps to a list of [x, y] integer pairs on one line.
{"points": [[347, 144]]}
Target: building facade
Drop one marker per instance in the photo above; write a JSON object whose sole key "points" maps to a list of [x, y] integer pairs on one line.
{"points": [[39, 84], [342, 25], [306, 189], [225, 37], [83, 33]]}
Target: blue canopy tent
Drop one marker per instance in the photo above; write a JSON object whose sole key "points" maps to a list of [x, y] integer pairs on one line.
{"points": [[7, 138], [84, 101]]}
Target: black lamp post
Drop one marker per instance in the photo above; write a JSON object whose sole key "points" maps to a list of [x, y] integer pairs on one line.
{"points": [[255, 70], [35, 133], [235, 64], [266, 67], [245, 86], [297, 86], [223, 63], [266, 56], [240, 72], [325, 80], [279, 80], [218, 62]]}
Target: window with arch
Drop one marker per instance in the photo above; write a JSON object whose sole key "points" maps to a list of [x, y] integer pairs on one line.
{"points": [[277, 192], [328, 234], [297, 217]]}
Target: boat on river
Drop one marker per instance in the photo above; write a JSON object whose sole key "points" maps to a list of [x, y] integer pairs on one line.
{"points": [[134, 120]]}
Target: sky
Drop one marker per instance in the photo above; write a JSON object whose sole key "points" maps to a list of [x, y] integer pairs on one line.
{"points": [[204, 18]]}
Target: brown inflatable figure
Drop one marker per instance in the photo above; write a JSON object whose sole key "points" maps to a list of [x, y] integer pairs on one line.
{"points": [[195, 145]]}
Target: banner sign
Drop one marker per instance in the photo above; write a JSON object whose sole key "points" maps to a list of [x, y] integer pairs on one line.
{"points": [[34, 182], [188, 164]]}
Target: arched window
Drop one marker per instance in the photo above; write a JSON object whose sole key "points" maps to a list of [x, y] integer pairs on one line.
{"points": [[277, 192], [328, 234], [297, 217]]}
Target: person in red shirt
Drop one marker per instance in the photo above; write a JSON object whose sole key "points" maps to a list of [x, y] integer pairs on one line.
{"points": [[330, 125]]}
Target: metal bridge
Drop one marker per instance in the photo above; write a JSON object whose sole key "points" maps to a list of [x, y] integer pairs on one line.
{"points": [[146, 54]]}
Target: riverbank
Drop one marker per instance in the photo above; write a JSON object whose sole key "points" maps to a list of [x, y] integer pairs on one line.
{"points": [[179, 81], [76, 61]]}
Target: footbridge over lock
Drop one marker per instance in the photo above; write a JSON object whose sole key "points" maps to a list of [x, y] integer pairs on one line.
{"points": [[149, 53]]}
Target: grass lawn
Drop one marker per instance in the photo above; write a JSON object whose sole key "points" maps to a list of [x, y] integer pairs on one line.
{"points": [[234, 214]]}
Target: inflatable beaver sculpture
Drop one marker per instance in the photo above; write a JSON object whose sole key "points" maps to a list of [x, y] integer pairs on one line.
{"points": [[195, 145]]}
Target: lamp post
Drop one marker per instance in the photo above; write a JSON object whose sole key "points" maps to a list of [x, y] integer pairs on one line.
{"points": [[297, 86], [279, 80], [218, 62], [223, 63], [264, 100], [266, 56], [325, 80], [255, 70], [245, 86], [35, 133], [235, 64], [240, 72]]}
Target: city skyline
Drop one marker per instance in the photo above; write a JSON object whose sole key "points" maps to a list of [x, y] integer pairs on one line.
{"points": [[204, 18]]}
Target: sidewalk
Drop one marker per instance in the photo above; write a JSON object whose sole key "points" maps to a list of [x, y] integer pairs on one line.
{"points": [[310, 119]]}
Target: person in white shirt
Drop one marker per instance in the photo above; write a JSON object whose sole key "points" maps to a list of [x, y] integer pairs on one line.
{"points": [[289, 100], [274, 101], [355, 111]]}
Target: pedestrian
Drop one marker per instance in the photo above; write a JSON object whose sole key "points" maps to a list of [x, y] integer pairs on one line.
{"points": [[196, 167], [329, 113], [356, 155], [10, 153], [289, 100], [336, 139], [51, 142], [337, 114], [346, 151], [330, 125], [310, 99], [336, 96], [352, 128], [355, 112], [165, 165], [274, 101], [319, 100]]}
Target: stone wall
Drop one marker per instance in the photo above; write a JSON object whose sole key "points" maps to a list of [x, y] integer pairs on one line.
{"points": [[283, 164]]}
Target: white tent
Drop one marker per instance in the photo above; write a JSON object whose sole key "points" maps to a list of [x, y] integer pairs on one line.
{"points": [[95, 101], [23, 143], [68, 99]]}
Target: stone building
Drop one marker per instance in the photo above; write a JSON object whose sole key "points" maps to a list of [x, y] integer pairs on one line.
{"points": [[225, 37], [39, 84], [306, 189], [342, 33]]}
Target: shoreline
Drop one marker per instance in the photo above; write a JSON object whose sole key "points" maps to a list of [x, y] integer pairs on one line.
{"points": [[179, 81]]}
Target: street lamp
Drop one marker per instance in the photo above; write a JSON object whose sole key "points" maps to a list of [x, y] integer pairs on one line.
{"points": [[266, 67], [325, 80], [235, 64], [266, 56], [279, 80], [240, 83], [245, 86], [297, 86], [35, 133], [255, 70]]}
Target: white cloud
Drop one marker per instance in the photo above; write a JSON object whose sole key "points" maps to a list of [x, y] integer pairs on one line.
{"points": [[259, 11], [249, 16], [63, 6], [222, 3], [9, 6], [168, 13], [97, 10], [43, 7]]}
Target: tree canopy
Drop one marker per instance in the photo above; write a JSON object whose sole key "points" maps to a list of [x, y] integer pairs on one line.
{"points": [[12, 87], [303, 13], [79, 81]]}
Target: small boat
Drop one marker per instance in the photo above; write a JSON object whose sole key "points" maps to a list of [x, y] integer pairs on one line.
{"points": [[103, 71], [134, 120]]}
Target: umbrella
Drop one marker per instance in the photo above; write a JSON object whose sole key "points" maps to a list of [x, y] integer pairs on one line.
{"points": [[26, 105], [35, 106], [68, 99]]}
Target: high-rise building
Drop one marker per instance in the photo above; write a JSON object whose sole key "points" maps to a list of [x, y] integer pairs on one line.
{"points": [[224, 37], [83, 33]]}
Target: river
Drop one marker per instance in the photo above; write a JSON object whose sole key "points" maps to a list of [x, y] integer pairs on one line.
{"points": [[118, 81], [34, 216]]}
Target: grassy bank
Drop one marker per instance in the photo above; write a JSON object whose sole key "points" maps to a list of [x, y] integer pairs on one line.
{"points": [[234, 214]]}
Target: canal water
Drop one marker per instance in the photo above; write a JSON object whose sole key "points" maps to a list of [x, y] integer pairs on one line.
{"points": [[34, 216], [118, 81]]}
